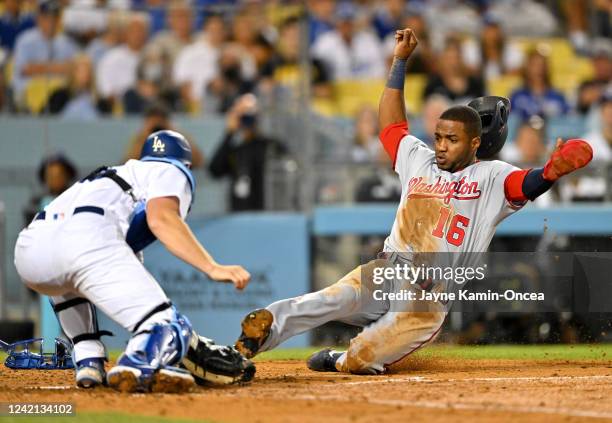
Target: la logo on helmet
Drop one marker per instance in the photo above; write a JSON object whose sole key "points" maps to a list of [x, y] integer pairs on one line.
{"points": [[158, 145]]}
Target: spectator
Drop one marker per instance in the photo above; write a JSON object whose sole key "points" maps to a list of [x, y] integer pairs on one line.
{"points": [[55, 173], [434, 106], [116, 72], [591, 91], [244, 37], [157, 118], [537, 96], [529, 146], [592, 187], [366, 146], [576, 15], [529, 18], [229, 83], [112, 36], [151, 85], [453, 80], [76, 100], [265, 63], [265, 17], [603, 19], [156, 10], [388, 18], [287, 69], [450, 17], [350, 53], [170, 42], [529, 151], [84, 21], [13, 22], [422, 60], [197, 64], [601, 138], [382, 185], [494, 55], [112, 4], [243, 155], [320, 18], [43, 50]]}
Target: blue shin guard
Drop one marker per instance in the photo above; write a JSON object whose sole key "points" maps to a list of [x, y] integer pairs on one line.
{"points": [[152, 367]]}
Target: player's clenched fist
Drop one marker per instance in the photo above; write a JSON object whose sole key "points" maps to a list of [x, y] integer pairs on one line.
{"points": [[235, 274], [405, 43]]}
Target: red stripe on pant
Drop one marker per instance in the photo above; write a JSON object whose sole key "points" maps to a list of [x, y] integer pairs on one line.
{"points": [[417, 347]]}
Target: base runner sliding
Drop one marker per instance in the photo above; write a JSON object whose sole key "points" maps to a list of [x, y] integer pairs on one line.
{"points": [[451, 202]]}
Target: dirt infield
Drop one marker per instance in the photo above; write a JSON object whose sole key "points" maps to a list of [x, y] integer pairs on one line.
{"points": [[426, 389]]}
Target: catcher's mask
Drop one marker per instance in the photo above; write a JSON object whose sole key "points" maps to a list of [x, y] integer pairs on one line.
{"points": [[29, 354], [494, 112]]}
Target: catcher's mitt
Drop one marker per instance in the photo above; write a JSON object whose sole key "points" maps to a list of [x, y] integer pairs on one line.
{"points": [[216, 364]]}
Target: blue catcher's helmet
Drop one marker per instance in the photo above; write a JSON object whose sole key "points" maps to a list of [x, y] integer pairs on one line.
{"points": [[29, 354], [167, 144]]}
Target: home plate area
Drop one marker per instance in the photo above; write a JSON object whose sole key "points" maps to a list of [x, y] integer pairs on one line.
{"points": [[423, 388]]}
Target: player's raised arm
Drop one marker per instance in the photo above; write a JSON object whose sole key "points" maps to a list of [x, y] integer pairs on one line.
{"points": [[392, 108], [165, 222]]}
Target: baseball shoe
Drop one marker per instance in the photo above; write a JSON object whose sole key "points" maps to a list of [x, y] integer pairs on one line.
{"points": [[131, 376], [90, 373], [255, 330], [324, 360]]}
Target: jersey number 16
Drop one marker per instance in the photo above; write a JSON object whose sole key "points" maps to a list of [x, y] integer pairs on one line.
{"points": [[456, 229]]}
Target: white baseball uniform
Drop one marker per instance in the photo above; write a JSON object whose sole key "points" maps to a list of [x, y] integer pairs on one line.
{"points": [[439, 212], [76, 256]]}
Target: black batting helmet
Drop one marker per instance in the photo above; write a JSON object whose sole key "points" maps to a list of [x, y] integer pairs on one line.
{"points": [[493, 113]]}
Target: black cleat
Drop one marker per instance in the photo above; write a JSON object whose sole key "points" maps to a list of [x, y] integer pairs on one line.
{"points": [[324, 360], [255, 330]]}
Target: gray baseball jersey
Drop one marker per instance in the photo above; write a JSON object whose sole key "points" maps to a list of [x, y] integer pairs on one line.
{"points": [[447, 212]]}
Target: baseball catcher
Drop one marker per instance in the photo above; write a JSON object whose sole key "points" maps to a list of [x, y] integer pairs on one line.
{"points": [[84, 251], [452, 201]]}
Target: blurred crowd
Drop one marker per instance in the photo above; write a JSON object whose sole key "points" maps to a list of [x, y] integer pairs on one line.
{"points": [[91, 59], [84, 59], [98, 57]]}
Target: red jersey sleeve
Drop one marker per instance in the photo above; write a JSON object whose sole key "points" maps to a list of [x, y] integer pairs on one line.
{"points": [[391, 137]]}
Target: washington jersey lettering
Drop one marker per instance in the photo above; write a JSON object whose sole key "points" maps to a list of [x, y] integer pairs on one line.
{"points": [[441, 211]]}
